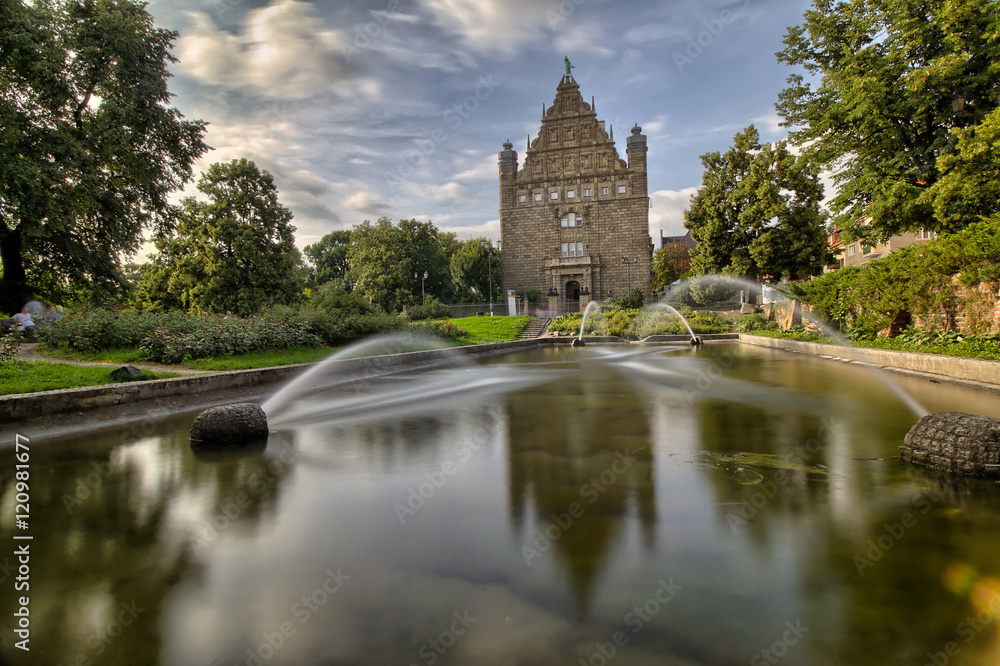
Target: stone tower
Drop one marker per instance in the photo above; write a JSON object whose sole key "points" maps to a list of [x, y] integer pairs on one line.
{"points": [[574, 221]]}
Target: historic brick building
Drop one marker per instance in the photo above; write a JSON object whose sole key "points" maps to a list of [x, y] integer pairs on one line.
{"points": [[574, 221]]}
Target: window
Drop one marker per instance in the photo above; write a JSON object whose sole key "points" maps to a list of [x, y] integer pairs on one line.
{"points": [[553, 195], [565, 250], [570, 194], [570, 220], [520, 198], [538, 197], [586, 191], [621, 189], [923, 234], [866, 249], [572, 249], [852, 250], [604, 191]]}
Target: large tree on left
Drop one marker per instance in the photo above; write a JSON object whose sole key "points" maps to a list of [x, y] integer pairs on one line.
{"points": [[89, 147]]}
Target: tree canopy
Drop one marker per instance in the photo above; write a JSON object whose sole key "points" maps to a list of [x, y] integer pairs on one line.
{"points": [[329, 257], [473, 265], [233, 252], [387, 262], [670, 262], [89, 147], [757, 213], [887, 82]]}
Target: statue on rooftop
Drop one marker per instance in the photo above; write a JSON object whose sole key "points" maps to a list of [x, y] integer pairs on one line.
{"points": [[569, 65]]}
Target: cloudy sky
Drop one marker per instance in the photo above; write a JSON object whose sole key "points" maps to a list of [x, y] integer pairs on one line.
{"points": [[399, 107]]}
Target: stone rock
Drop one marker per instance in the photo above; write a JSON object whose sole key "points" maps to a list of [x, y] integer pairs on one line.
{"points": [[960, 443], [788, 314], [748, 308], [125, 373], [238, 425]]}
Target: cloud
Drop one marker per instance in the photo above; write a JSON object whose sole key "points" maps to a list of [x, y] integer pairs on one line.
{"points": [[667, 212], [494, 25], [365, 202], [283, 51], [484, 169]]}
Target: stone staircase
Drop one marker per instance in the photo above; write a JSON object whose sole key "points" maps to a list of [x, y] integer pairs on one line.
{"points": [[535, 328]]}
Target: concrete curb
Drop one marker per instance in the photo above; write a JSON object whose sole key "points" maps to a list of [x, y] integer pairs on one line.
{"points": [[32, 405], [951, 368]]}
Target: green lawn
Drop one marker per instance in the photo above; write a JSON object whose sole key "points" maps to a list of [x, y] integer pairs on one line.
{"points": [[262, 359], [28, 376], [480, 330], [119, 356]]}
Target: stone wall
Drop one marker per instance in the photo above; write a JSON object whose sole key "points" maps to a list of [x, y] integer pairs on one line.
{"points": [[966, 309]]}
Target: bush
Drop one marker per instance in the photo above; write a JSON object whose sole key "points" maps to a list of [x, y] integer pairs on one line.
{"points": [[331, 296], [431, 309], [223, 336], [440, 329], [100, 329], [8, 347], [754, 322]]}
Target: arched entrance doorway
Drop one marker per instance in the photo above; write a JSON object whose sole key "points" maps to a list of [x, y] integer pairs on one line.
{"points": [[572, 295]]}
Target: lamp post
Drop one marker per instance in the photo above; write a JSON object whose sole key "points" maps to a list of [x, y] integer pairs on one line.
{"points": [[628, 268], [489, 271], [423, 295]]}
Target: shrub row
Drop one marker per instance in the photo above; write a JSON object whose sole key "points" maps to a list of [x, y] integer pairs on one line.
{"points": [[634, 323]]}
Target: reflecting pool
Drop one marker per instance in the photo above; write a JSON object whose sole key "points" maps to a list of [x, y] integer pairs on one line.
{"points": [[721, 505]]}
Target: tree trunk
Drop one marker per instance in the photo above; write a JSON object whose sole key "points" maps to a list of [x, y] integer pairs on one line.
{"points": [[14, 288]]}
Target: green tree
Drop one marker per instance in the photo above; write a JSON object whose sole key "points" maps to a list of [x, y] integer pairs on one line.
{"points": [[887, 74], [670, 262], [387, 262], [233, 252], [475, 269], [758, 213], [969, 185], [329, 257], [89, 147]]}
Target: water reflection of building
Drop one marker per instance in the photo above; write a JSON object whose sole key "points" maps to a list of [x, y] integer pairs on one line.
{"points": [[580, 465]]}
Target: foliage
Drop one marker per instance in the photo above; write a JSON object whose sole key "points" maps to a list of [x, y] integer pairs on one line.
{"points": [[431, 309], [262, 359], [882, 111], [758, 213], [331, 296], [29, 377], [705, 292], [634, 323], [90, 149], [222, 336], [337, 327], [797, 333], [533, 297], [102, 329], [670, 262], [914, 282], [329, 257], [754, 322], [471, 267], [969, 184], [8, 347], [440, 329], [634, 299], [480, 330], [233, 253]]}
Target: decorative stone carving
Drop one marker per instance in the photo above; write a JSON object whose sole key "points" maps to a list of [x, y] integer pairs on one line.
{"points": [[965, 444]]}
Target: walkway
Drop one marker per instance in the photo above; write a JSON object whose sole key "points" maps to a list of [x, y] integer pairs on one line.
{"points": [[26, 352]]}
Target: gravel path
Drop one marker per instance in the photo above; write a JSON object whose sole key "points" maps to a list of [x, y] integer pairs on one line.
{"points": [[26, 352]]}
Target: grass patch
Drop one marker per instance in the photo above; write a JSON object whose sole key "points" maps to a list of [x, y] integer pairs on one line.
{"points": [[119, 356], [32, 376], [479, 330], [983, 349], [262, 359], [799, 336]]}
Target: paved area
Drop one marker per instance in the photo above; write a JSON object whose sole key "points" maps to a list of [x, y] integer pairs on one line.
{"points": [[26, 352]]}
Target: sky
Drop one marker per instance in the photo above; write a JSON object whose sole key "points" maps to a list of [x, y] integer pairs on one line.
{"points": [[398, 108]]}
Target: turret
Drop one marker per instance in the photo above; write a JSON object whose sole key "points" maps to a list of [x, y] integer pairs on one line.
{"points": [[508, 175], [636, 151]]}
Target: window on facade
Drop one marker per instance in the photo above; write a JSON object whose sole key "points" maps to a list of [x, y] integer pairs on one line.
{"points": [[621, 189], [604, 190], [571, 220], [570, 194], [553, 195], [538, 197], [925, 235], [586, 191], [866, 249], [852, 250], [520, 198], [572, 249]]}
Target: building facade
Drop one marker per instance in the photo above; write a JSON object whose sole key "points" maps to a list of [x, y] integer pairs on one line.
{"points": [[856, 253], [574, 220]]}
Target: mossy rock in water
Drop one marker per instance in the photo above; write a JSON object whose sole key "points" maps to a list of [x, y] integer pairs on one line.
{"points": [[230, 426]]}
